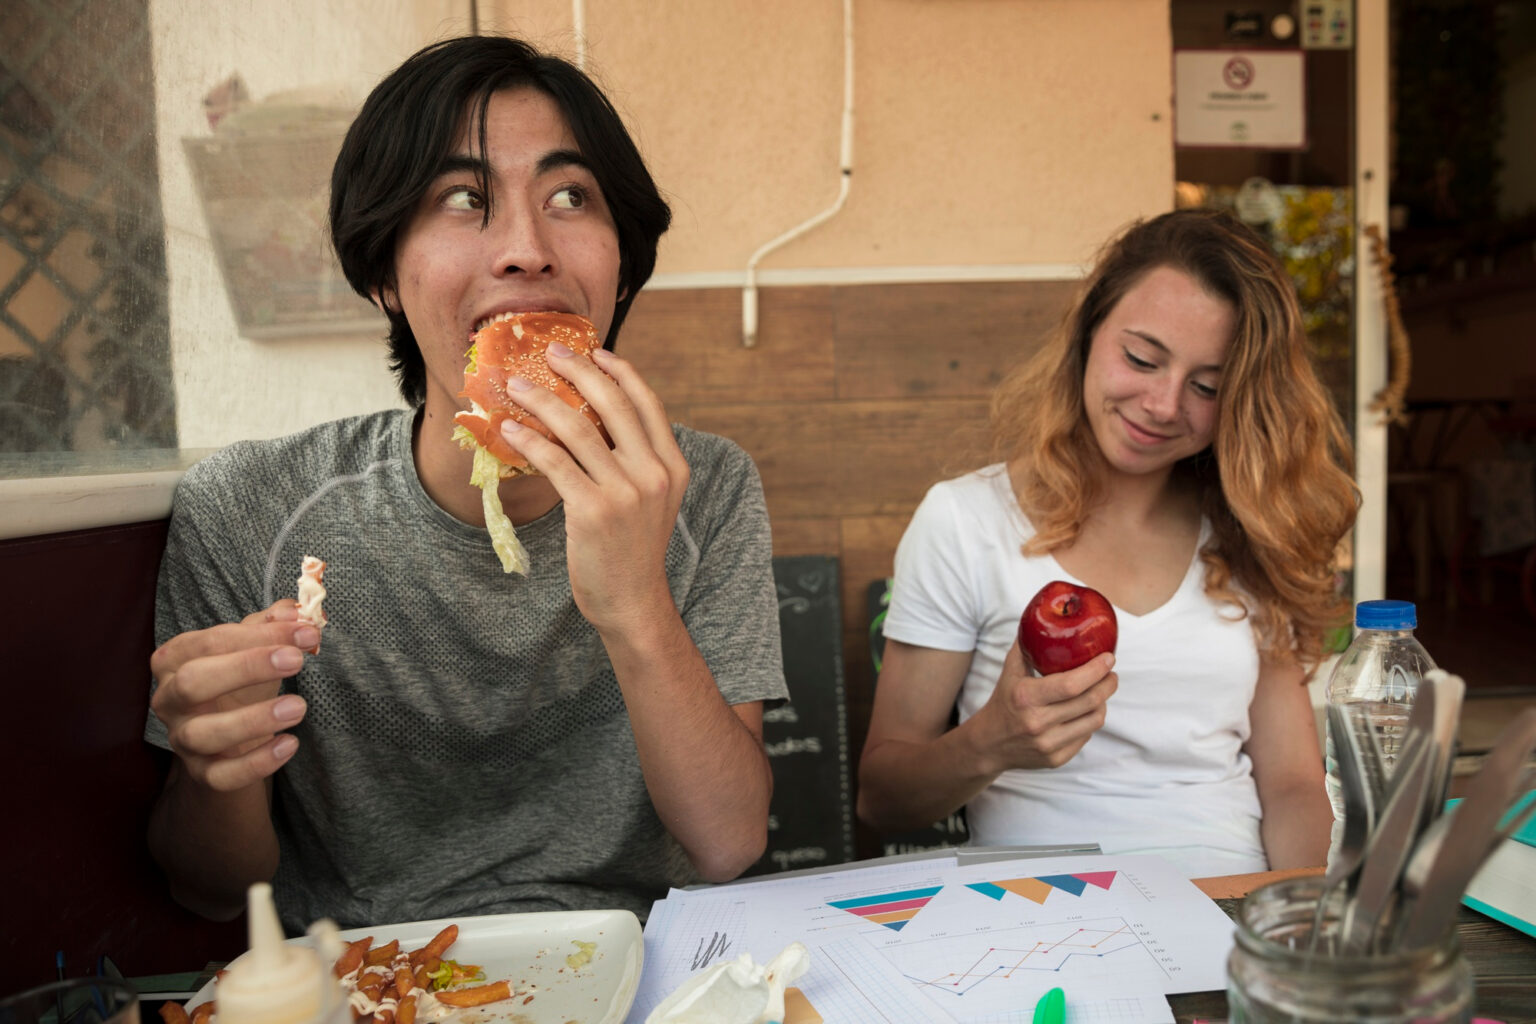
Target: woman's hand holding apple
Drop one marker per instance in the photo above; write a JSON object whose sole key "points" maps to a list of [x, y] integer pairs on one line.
{"points": [[1043, 721]]}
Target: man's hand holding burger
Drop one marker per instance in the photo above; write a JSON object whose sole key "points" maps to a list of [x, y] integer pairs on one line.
{"points": [[621, 503]]}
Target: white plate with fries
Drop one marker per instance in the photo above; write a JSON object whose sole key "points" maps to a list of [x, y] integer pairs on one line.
{"points": [[564, 967]]}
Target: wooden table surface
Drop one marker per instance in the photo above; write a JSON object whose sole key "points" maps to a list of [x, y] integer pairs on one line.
{"points": [[1503, 959]]}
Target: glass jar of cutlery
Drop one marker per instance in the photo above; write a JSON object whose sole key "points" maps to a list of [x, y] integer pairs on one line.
{"points": [[1285, 967]]}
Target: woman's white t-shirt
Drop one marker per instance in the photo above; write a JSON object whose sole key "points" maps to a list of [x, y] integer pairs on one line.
{"points": [[1167, 773]]}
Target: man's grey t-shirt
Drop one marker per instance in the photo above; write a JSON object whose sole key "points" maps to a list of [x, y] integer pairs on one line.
{"points": [[466, 749]]}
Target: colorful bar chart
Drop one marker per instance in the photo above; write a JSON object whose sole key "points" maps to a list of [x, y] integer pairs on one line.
{"points": [[892, 909], [1041, 886]]}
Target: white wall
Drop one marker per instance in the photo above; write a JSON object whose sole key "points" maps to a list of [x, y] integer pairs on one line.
{"points": [[230, 387]]}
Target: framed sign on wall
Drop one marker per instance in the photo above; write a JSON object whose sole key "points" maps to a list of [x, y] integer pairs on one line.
{"points": [[1253, 99]]}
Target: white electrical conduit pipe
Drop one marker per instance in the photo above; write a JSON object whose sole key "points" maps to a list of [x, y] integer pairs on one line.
{"points": [[579, 30], [845, 176]]}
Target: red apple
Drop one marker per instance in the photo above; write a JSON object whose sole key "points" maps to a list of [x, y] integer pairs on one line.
{"points": [[1066, 625]]}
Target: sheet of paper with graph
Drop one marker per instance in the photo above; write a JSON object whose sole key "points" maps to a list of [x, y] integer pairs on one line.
{"points": [[935, 940]]}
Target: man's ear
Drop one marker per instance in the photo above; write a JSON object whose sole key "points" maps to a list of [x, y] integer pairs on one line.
{"points": [[385, 297]]}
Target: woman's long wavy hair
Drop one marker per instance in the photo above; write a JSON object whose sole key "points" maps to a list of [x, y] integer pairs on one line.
{"points": [[1276, 482]]}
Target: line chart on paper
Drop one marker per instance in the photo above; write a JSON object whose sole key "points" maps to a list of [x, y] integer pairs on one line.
{"points": [[1110, 972], [961, 966], [984, 973]]}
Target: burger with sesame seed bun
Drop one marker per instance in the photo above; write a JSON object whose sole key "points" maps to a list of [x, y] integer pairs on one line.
{"points": [[513, 345]]}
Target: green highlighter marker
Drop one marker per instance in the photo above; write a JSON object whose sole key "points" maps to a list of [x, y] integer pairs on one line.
{"points": [[1052, 1008]]}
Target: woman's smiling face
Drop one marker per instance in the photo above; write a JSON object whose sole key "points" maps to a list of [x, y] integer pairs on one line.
{"points": [[550, 242], [1153, 371]]}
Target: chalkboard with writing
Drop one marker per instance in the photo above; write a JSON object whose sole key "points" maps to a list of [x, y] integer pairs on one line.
{"points": [[810, 821]]}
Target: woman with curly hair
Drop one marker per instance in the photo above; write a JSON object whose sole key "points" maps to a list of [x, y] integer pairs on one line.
{"points": [[1172, 448]]}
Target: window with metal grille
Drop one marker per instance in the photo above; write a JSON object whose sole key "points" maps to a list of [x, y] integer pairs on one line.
{"points": [[84, 328]]}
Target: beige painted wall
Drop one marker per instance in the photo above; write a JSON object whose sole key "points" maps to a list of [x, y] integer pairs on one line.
{"points": [[992, 138], [987, 132]]}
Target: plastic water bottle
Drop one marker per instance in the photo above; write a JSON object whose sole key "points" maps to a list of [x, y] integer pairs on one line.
{"points": [[1375, 683]]}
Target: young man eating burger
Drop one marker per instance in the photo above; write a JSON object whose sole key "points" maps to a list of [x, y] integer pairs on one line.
{"points": [[581, 734]]}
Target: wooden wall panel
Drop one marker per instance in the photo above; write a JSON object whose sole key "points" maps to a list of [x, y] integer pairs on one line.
{"points": [[850, 458], [688, 345], [933, 340], [806, 535], [856, 400]]}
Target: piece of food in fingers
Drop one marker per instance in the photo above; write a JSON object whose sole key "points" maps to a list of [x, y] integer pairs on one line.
{"points": [[513, 345], [312, 595]]}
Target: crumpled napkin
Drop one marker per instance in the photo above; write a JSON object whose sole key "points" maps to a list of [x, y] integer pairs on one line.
{"points": [[736, 991]]}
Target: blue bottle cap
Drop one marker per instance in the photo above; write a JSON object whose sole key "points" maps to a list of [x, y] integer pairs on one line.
{"points": [[1386, 615]]}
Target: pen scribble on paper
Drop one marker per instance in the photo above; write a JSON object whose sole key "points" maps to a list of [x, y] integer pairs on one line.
{"points": [[714, 946]]}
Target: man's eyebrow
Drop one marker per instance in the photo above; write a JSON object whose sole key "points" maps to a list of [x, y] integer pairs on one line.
{"points": [[558, 158], [555, 159], [458, 163]]}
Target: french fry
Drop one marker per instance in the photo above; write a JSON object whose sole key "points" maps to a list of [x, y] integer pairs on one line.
{"points": [[438, 946], [382, 954], [476, 996], [352, 957], [385, 975]]}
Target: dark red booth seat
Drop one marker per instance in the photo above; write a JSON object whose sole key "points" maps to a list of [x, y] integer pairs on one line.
{"points": [[78, 778]]}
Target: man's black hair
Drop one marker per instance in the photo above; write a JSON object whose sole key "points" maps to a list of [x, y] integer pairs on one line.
{"points": [[411, 124]]}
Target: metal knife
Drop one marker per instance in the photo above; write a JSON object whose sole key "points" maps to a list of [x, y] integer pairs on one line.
{"points": [[1489, 796], [1396, 831]]}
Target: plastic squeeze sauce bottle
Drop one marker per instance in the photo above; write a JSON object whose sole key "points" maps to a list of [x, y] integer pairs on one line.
{"points": [[279, 983]]}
